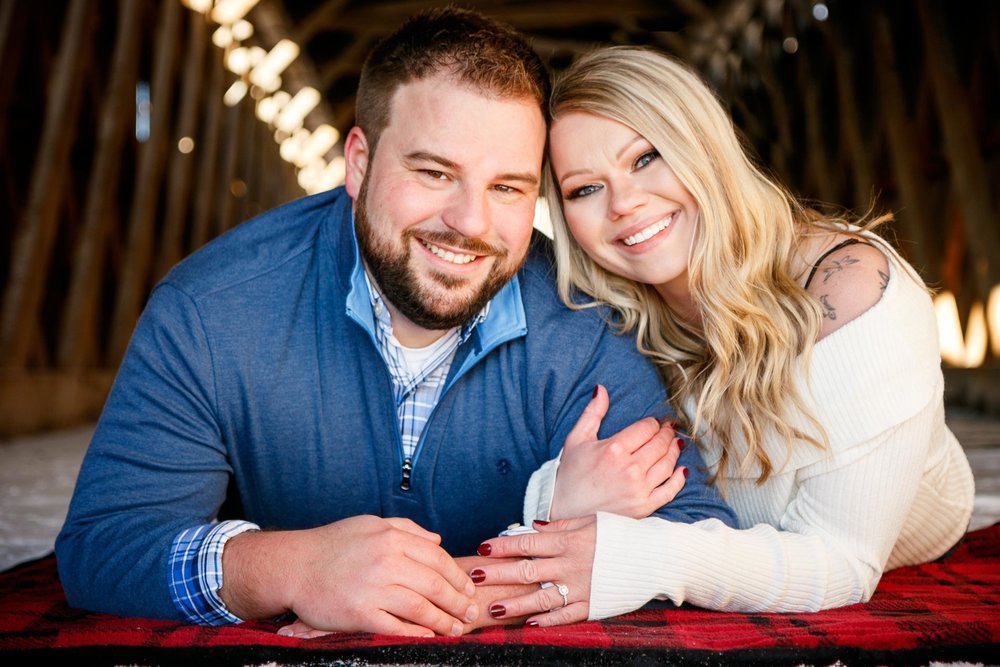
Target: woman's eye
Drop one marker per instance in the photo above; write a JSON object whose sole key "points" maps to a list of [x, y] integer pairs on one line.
{"points": [[645, 159], [582, 192]]}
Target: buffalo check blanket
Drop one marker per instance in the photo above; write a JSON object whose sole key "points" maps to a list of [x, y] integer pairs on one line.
{"points": [[939, 613]]}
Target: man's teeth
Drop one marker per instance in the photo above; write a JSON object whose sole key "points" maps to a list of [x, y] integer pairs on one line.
{"points": [[447, 255], [649, 232]]}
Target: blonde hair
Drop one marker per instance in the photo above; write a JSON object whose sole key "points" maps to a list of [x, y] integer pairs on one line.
{"points": [[739, 366]]}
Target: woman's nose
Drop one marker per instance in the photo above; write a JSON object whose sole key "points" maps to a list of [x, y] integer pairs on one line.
{"points": [[626, 198]]}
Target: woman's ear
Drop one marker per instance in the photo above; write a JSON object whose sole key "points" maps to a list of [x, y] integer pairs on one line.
{"points": [[356, 156]]}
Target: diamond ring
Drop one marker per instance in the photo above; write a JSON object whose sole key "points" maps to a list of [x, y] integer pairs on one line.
{"points": [[564, 592]]}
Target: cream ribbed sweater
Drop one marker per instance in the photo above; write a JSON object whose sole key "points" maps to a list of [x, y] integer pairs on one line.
{"points": [[893, 489]]}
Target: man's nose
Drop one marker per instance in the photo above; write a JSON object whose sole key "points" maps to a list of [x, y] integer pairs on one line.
{"points": [[468, 213]]}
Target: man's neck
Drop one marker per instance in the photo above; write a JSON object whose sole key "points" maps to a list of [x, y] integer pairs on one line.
{"points": [[409, 334]]}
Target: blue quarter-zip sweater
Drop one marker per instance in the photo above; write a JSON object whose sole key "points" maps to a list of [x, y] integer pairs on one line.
{"points": [[254, 361]]}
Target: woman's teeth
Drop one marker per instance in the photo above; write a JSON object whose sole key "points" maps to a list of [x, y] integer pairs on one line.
{"points": [[649, 232], [447, 255]]}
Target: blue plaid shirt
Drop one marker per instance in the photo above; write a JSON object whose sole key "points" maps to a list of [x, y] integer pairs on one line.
{"points": [[196, 554]]}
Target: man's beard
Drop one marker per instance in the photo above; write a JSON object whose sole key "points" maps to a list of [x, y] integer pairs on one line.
{"points": [[399, 283]]}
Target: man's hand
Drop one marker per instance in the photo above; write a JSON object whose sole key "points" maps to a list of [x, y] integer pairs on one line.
{"points": [[487, 597], [631, 473], [364, 573]]}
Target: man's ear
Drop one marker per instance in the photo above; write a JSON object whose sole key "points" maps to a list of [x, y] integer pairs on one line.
{"points": [[356, 156]]}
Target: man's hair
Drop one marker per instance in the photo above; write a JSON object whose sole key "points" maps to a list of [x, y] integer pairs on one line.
{"points": [[489, 56]]}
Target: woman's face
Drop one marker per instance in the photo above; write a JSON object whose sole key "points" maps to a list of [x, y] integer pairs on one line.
{"points": [[623, 204]]}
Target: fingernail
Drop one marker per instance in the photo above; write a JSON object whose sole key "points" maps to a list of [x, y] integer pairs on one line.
{"points": [[596, 387], [286, 632], [680, 443], [540, 522], [532, 624], [685, 473], [484, 549], [478, 576], [456, 629], [472, 613], [497, 611]]}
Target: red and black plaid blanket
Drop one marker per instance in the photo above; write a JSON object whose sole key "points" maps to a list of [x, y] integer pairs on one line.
{"points": [[940, 612]]}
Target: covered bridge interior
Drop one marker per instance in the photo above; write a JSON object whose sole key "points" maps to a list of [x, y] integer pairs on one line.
{"points": [[131, 133]]}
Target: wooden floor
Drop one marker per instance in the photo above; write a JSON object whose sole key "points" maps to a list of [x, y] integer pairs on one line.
{"points": [[37, 476]]}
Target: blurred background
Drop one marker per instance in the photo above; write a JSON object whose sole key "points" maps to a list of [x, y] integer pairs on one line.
{"points": [[134, 131]]}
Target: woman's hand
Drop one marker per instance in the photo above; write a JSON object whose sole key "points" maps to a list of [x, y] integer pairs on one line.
{"points": [[562, 553], [631, 473]]}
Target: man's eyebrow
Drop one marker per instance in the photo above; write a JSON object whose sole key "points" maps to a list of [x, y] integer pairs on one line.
{"points": [[424, 156]]}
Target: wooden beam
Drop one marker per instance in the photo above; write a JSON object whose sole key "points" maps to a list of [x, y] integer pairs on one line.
{"points": [[818, 160], [208, 155], [182, 164], [227, 169], [33, 246], [348, 62], [78, 339], [46, 400], [861, 172], [320, 19], [966, 165], [904, 141], [136, 275]]}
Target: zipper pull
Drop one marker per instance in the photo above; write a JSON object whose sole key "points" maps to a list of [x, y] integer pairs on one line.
{"points": [[407, 470]]}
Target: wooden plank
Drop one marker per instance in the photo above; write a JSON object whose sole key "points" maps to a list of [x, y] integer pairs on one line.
{"points": [[46, 400], [206, 195], [904, 143], [78, 341], [230, 152], [33, 246], [137, 269], [182, 164], [817, 157], [859, 149], [965, 161]]}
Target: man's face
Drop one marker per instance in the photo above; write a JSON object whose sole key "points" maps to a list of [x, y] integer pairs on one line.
{"points": [[444, 209]]}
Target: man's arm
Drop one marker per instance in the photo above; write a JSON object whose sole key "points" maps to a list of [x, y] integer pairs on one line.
{"points": [[364, 573]]}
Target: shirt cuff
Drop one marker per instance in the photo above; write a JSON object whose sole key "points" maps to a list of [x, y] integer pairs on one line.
{"points": [[196, 571], [538, 495]]}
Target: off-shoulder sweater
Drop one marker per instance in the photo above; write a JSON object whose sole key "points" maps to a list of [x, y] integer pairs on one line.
{"points": [[893, 488]]}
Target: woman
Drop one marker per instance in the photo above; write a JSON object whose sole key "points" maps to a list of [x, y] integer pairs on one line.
{"points": [[800, 351]]}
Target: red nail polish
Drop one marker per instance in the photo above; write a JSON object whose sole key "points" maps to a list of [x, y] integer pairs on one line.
{"points": [[478, 576], [685, 473], [539, 522], [596, 387], [497, 611], [532, 624], [484, 549], [680, 443]]}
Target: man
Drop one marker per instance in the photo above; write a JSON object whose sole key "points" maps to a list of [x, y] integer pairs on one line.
{"points": [[376, 369]]}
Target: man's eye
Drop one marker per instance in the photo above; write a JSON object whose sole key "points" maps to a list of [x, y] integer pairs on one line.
{"points": [[645, 159], [436, 175], [582, 191], [506, 189]]}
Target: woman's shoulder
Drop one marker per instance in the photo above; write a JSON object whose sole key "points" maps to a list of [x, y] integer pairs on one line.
{"points": [[849, 275]]}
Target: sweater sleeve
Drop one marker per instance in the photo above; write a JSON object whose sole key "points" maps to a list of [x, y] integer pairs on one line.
{"points": [[834, 515], [828, 550], [156, 466]]}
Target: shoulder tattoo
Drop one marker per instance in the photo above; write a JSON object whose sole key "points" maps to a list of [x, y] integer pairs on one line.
{"points": [[829, 312], [837, 265], [883, 279]]}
